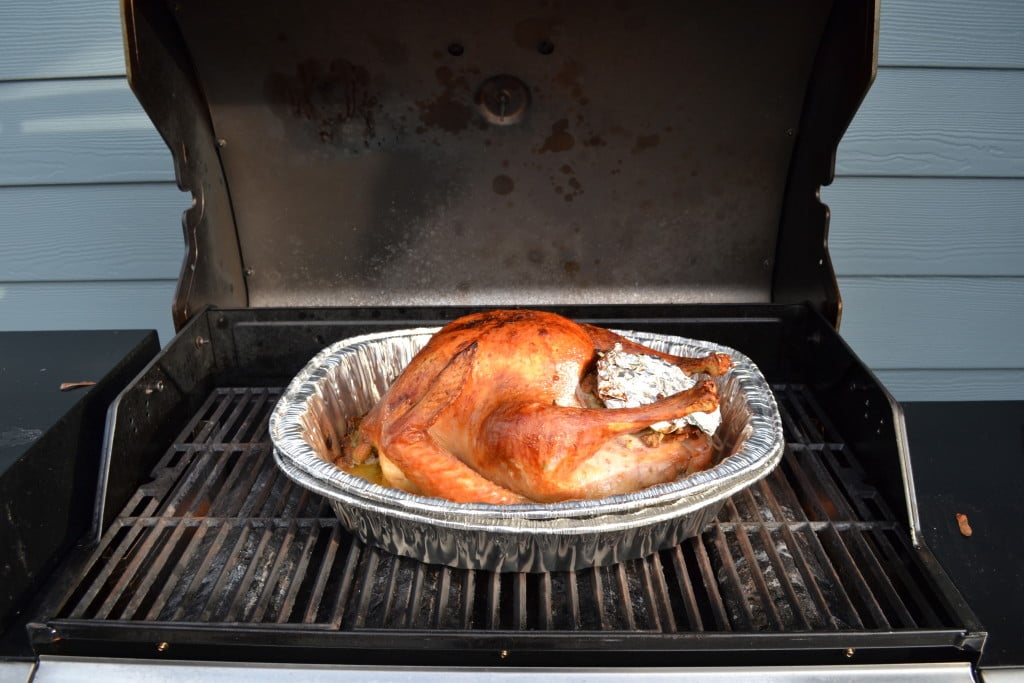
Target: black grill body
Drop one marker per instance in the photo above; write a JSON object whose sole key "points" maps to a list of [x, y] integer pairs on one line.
{"points": [[201, 548]]}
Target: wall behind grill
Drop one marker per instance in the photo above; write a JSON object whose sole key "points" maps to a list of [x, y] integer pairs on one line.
{"points": [[927, 210]]}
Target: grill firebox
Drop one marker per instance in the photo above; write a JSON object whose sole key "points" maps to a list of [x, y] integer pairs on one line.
{"points": [[221, 536], [217, 541]]}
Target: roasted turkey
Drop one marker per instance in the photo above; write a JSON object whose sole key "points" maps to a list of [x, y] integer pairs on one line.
{"points": [[494, 409]]}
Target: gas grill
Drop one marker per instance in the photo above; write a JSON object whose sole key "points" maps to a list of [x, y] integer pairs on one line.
{"points": [[358, 169]]}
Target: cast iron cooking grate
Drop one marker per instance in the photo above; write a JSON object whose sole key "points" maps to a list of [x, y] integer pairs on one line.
{"points": [[220, 536]]}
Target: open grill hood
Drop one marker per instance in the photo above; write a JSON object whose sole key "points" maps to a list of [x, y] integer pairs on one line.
{"points": [[396, 153]]}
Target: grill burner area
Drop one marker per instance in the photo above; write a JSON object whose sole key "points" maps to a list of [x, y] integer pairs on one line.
{"points": [[220, 537]]}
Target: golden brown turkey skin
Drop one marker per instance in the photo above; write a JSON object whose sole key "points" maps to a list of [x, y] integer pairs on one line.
{"points": [[490, 411]]}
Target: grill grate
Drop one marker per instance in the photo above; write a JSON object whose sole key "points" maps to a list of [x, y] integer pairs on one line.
{"points": [[220, 536]]}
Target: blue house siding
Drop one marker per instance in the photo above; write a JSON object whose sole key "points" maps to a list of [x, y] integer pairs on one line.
{"points": [[927, 232], [89, 212]]}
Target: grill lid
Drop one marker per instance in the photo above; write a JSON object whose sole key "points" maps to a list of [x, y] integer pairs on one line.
{"points": [[492, 153]]}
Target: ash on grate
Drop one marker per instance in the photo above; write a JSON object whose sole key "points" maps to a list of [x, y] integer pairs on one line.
{"points": [[762, 586]]}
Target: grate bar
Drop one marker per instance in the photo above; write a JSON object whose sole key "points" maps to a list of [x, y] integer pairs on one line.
{"points": [[791, 428], [392, 591], [444, 588], [238, 400], [519, 606], [138, 553], [273, 576], [802, 394], [172, 581], [223, 573], [145, 585], [260, 492], [250, 586], [710, 582], [258, 399], [120, 549], [810, 582], [356, 551], [849, 568], [493, 589], [813, 428], [626, 592], [192, 425], [729, 575], [323, 572], [468, 602], [893, 559], [823, 481], [545, 615], [865, 558], [781, 493], [221, 401], [654, 576], [806, 493], [763, 592], [295, 583], [573, 592], [693, 618], [238, 486], [195, 584], [371, 559]]}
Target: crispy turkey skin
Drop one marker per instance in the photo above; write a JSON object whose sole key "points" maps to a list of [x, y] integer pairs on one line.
{"points": [[491, 410]]}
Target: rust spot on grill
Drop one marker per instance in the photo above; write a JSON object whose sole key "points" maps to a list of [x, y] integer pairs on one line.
{"points": [[335, 101], [646, 142], [568, 77], [575, 187], [502, 184], [450, 111], [560, 140]]}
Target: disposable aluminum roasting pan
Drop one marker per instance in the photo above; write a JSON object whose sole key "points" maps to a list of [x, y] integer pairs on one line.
{"points": [[346, 379]]}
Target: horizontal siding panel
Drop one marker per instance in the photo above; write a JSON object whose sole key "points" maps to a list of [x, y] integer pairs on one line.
{"points": [[977, 33], [926, 226], [92, 232], [60, 39], [81, 131], [84, 38], [88, 306], [934, 322], [954, 385], [914, 122], [938, 122]]}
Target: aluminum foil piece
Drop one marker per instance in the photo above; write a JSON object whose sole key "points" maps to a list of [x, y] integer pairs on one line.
{"points": [[346, 379], [630, 380]]}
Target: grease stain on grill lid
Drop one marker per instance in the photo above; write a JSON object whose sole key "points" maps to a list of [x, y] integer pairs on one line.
{"points": [[450, 110], [332, 102], [502, 184], [560, 140]]}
